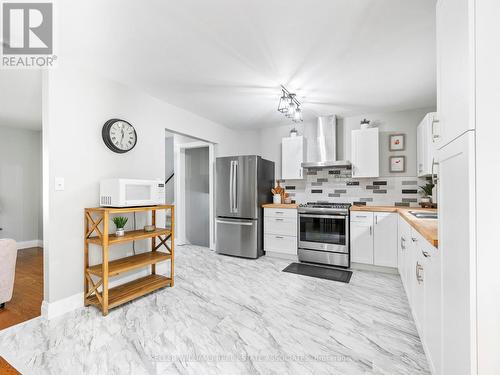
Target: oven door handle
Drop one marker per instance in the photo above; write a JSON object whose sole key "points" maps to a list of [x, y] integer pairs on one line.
{"points": [[324, 216]]}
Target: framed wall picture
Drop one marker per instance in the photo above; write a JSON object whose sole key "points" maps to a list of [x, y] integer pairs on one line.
{"points": [[397, 142], [397, 164]]}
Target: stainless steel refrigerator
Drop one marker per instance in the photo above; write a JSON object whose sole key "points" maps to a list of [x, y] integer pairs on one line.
{"points": [[243, 184]]}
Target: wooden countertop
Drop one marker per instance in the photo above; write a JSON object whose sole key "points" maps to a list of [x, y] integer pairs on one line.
{"points": [[428, 228], [375, 208], [283, 205]]}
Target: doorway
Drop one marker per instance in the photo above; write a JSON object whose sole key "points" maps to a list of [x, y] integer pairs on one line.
{"points": [[189, 170], [21, 267], [197, 195]]}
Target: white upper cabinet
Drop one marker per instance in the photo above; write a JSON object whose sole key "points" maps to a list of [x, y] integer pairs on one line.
{"points": [[426, 148], [385, 252], [454, 29], [293, 153], [365, 153]]}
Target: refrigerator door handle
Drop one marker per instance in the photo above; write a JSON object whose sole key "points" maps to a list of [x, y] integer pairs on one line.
{"points": [[249, 223], [235, 186], [231, 187]]}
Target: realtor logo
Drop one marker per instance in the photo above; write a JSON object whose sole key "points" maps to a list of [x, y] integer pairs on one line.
{"points": [[27, 34]]}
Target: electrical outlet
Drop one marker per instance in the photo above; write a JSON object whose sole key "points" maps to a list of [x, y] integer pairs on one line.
{"points": [[59, 183]]}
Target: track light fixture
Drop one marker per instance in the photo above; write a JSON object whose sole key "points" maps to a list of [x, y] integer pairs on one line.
{"points": [[289, 105]]}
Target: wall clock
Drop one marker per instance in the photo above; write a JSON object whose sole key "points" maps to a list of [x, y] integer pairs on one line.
{"points": [[119, 135]]}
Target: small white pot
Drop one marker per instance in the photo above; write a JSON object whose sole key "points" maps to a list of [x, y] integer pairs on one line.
{"points": [[120, 232], [425, 200], [277, 198]]}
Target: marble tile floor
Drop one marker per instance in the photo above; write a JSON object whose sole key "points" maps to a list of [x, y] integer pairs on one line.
{"points": [[228, 315]]}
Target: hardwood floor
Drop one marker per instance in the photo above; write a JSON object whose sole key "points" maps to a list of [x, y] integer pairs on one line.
{"points": [[6, 368], [28, 289]]}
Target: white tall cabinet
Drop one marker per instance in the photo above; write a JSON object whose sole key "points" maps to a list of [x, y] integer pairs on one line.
{"points": [[455, 68], [456, 103], [457, 243], [293, 153], [365, 153]]}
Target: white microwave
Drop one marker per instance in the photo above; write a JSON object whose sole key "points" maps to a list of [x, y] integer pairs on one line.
{"points": [[123, 192]]}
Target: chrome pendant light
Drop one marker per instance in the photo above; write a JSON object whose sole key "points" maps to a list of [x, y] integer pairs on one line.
{"points": [[289, 105]]}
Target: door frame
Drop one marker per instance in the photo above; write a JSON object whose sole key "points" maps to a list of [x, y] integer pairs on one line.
{"points": [[180, 188]]}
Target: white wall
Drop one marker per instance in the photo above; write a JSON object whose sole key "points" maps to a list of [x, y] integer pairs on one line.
{"points": [[76, 105], [390, 123], [487, 206], [393, 122], [20, 184], [169, 169]]}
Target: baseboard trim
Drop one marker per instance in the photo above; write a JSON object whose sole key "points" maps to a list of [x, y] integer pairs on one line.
{"points": [[51, 310], [291, 257], [28, 244], [373, 268]]}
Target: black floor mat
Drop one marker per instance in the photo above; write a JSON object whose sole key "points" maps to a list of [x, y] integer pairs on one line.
{"points": [[319, 272]]}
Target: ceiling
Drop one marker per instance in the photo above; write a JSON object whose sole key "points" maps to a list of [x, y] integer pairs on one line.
{"points": [[225, 59], [21, 98]]}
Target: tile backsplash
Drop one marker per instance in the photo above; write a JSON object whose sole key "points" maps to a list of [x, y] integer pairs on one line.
{"points": [[336, 185]]}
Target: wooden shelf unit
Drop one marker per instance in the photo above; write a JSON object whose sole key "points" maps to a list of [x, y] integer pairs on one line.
{"points": [[97, 292]]}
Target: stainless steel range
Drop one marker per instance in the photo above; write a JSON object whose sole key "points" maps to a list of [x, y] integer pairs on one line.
{"points": [[324, 233]]}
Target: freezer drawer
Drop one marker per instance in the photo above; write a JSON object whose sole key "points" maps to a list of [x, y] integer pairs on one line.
{"points": [[238, 237]]}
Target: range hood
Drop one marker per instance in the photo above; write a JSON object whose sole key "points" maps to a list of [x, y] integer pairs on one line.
{"points": [[322, 144]]}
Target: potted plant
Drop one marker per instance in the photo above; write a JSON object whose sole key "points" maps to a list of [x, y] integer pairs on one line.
{"points": [[426, 193], [120, 222]]}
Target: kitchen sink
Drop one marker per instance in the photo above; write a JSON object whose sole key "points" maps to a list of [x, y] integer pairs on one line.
{"points": [[424, 214]]}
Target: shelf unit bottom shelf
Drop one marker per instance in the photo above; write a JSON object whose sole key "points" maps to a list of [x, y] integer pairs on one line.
{"points": [[127, 292]]}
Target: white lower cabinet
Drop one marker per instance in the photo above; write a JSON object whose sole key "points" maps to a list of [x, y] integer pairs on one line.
{"points": [[432, 316], [404, 246], [374, 238], [387, 239], [385, 252], [280, 232], [362, 237], [419, 265], [418, 280]]}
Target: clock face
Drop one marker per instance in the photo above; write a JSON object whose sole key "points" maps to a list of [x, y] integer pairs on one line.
{"points": [[119, 135]]}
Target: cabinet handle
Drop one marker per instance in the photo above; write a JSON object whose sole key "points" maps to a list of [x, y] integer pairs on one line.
{"points": [[376, 219], [277, 219], [426, 254], [435, 136], [279, 212], [434, 175], [300, 172], [403, 247], [419, 268], [280, 237], [414, 239], [370, 230]]}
